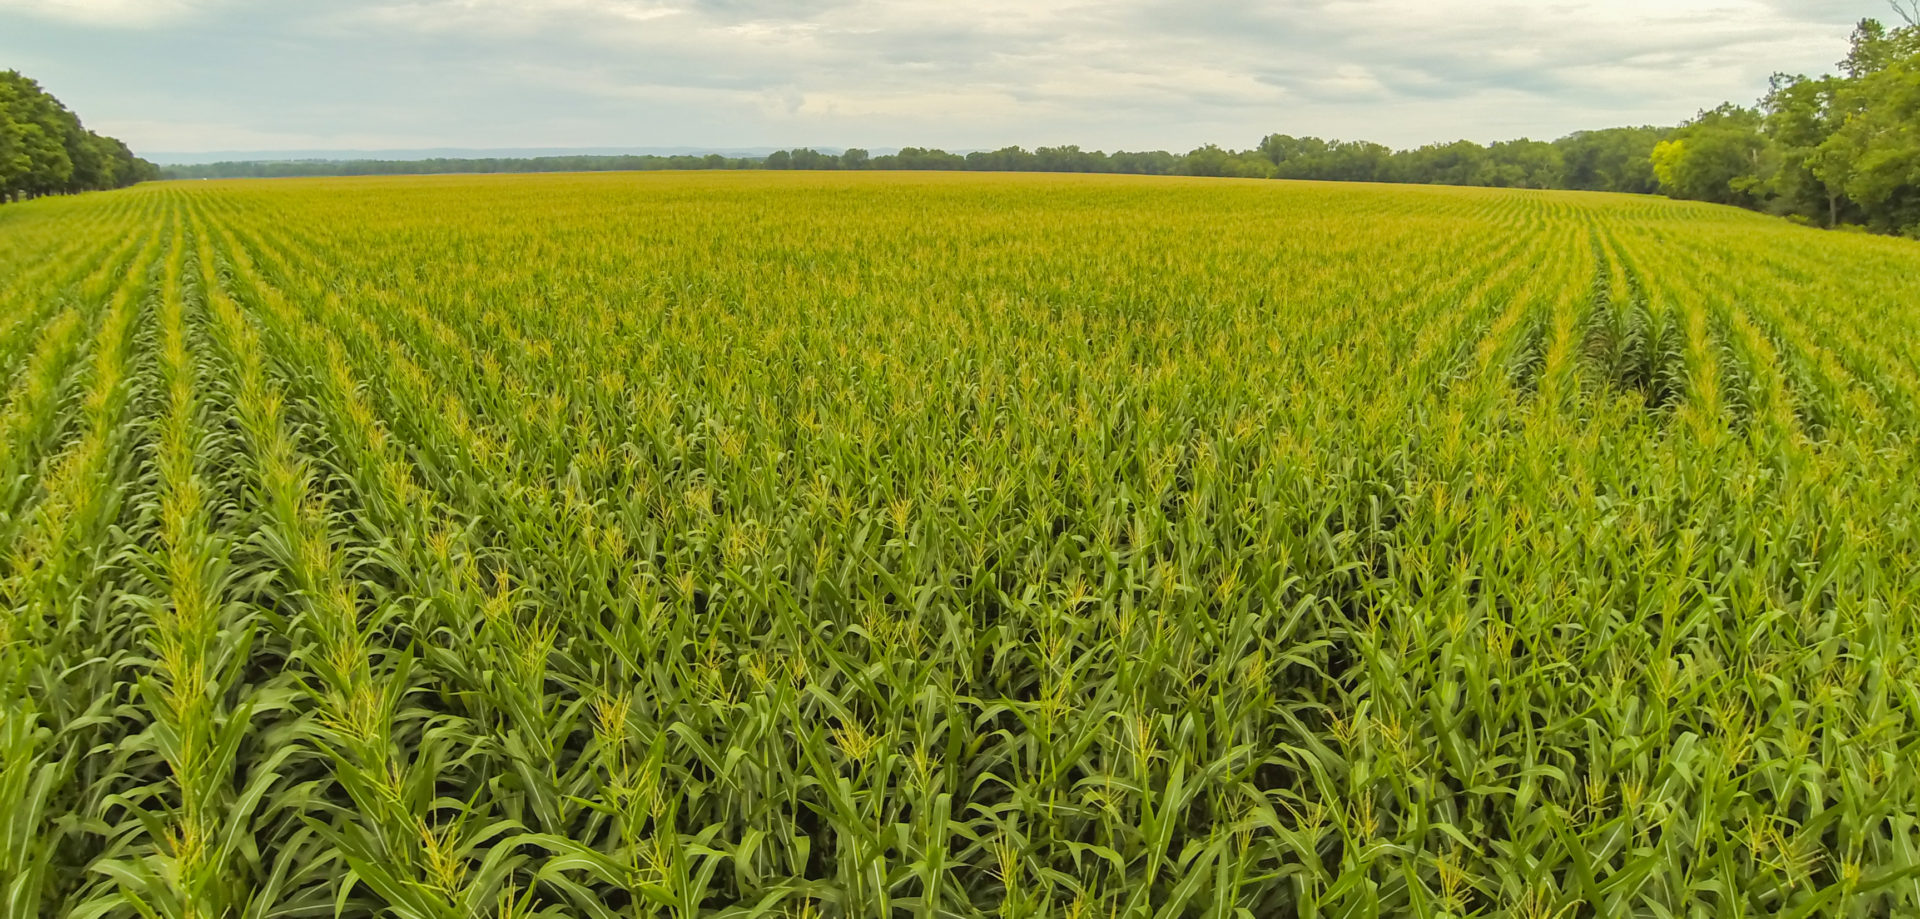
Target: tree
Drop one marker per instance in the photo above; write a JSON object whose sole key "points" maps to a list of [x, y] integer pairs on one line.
{"points": [[1523, 163], [928, 158], [1069, 158], [1282, 148], [1151, 162], [44, 149], [808, 158], [1799, 118], [1330, 160], [1867, 49], [1714, 158], [1211, 160], [1457, 163], [1873, 155], [1005, 159], [38, 136], [1611, 159], [14, 161]]}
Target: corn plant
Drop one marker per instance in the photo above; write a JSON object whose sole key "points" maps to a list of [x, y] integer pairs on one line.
{"points": [[754, 544]]}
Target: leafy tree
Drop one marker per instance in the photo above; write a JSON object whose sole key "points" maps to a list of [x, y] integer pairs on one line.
{"points": [[1069, 158], [806, 158], [1521, 163], [1715, 157], [1457, 163], [1149, 162], [1869, 49], [1873, 154], [1211, 160], [1282, 148], [929, 158], [1610, 159], [1005, 159], [44, 149], [14, 161], [1332, 160], [1800, 178], [40, 136]]}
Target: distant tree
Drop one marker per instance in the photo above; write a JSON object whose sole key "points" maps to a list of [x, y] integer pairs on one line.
{"points": [[1799, 117], [854, 158], [1356, 161], [1611, 159], [14, 161], [1280, 149], [44, 149], [1005, 159], [1211, 160], [1715, 157], [1867, 49], [1522, 164], [1462, 162], [1069, 158], [928, 159], [1872, 156], [39, 137], [1152, 162], [1872, 46], [807, 158]]}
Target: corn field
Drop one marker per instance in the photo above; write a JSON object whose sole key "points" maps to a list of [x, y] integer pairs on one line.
{"points": [[872, 545]]}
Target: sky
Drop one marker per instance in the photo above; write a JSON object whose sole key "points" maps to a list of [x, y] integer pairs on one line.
{"points": [[269, 75]]}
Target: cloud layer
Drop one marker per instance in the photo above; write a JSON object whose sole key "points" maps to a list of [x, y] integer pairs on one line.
{"points": [[181, 75]]}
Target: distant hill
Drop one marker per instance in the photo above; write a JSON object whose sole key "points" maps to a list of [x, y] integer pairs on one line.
{"points": [[285, 156]]}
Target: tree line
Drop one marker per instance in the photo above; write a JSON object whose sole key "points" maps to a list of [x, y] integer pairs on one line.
{"points": [[1836, 150], [285, 169], [1616, 159], [45, 150]]}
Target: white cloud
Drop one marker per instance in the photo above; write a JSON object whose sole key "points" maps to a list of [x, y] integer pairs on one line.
{"points": [[133, 14], [213, 135], [1125, 73]]}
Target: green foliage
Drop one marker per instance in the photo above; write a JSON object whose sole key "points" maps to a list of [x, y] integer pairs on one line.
{"points": [[1835, 150], [769, 544], [1873, 155], [1613, 159], [1210, 160], [1715, 157], [44, 150], [1606, 161], [1803, 179]]}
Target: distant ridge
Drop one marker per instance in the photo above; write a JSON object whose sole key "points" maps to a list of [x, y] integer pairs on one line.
{"points": [[286, 156]]}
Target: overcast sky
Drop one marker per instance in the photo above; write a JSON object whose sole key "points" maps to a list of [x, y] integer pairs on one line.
{"points": [[210, 75]]}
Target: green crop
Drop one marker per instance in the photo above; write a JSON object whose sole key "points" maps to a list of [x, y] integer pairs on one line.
{"points": [[761, 544]]}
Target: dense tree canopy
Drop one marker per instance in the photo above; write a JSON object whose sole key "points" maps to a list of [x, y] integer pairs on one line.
{"points": [[44, 150], [1837, 149]]}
